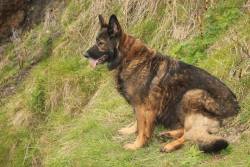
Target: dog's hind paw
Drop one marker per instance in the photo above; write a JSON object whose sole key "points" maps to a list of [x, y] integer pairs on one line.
{"points": [[164, 134], [165, 149]]}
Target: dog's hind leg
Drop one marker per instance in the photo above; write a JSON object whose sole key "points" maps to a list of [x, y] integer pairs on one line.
{"points": [[198, 125], [131, 128], [173, 133], [198, 129], [174, 145], [198, 99]]}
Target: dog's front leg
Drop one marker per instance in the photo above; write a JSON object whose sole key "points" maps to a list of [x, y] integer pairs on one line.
{"points": [[145, 126]]}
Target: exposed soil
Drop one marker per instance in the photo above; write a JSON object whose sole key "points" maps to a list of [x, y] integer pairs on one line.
{"points": [[19, 15], [11, 84], [12, 14]]}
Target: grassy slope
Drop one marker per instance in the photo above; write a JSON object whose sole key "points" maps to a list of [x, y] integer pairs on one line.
{"points": [[66, 114]]}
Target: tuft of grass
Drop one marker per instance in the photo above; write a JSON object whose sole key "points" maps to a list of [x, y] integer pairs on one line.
{"points": [[38, 97]]}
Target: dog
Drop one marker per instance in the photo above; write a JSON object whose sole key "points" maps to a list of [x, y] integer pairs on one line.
{"points": [[184, 98]]}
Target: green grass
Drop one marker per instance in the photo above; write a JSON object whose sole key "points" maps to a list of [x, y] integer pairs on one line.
{"points": [[216, 21], [145, 30], [93, 140], [66, 114]]}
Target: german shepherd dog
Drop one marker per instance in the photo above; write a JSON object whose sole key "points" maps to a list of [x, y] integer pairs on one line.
{"points": [[186, 99]]}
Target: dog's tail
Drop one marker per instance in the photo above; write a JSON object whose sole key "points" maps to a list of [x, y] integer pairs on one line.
{"points": [[207, 142], [212, 144]]}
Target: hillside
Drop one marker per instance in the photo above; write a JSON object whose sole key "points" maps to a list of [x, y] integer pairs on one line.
{"points": [[55, 110]]}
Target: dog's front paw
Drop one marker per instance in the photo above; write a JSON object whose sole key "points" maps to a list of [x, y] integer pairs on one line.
{"points": [[131, 146]]}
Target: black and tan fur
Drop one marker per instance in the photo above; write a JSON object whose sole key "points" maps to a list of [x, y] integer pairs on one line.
{"points": [[163, 90]]}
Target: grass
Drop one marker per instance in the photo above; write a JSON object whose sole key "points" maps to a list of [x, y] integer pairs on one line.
{"points": [[66, 114], [217, 20], [145, 29], [93, 140]]}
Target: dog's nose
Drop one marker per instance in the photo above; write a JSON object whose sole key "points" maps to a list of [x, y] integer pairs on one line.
{"points": [[86, 54]]}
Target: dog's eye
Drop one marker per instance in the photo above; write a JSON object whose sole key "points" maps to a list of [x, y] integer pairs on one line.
{"points": [[100, 43]]}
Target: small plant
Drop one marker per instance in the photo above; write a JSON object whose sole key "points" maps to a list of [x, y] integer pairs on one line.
{"points": [[38, 97]]}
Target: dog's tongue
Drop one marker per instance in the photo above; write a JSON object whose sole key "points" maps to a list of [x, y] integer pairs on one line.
{"points": [[93, 62]]}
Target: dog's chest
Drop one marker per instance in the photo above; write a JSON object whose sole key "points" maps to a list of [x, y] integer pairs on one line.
{"points": [[129, 85], [122, 88], [124, 84]]}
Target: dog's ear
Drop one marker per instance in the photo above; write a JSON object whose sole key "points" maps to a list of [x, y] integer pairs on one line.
{"points": [[114, 27], [102, 21]]}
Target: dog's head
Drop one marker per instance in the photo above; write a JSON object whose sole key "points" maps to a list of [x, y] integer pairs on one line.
{"points": [[105, 49]]}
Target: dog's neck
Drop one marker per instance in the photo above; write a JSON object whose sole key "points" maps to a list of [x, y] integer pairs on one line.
{"points": [[130, 47], [131, 51]]}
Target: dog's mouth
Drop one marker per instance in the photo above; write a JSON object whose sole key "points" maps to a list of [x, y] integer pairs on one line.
{"points": [[95, 62]]}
